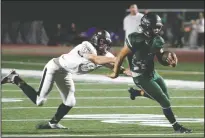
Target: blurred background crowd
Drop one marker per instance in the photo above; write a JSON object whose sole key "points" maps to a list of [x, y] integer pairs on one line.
{"points": [[181, 29]]}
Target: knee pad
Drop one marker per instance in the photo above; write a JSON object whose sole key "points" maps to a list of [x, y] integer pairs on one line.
{"points": [[70, 101], [40, 101]]}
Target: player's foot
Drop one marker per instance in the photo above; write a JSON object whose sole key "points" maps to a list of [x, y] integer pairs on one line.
{"points": [[9, 78], [134, 93], [48, 125], [181, 129]]}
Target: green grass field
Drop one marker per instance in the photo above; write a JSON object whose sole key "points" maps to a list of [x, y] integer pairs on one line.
{"points": [[102, 109], [97, 99]]}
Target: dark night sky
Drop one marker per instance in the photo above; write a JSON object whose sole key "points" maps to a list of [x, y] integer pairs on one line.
{"points": [[86, 13]]}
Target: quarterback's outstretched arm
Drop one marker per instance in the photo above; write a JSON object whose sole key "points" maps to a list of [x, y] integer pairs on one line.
{"points": [[123, 53]]}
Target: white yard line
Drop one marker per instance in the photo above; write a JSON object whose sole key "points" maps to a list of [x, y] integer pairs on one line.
{"points": [[97, 135], [96, 90], [24, 63], [102, 98], [101, 107], [85, 90], [34, 120], [119, 80], [43, 64], [77, 83]]}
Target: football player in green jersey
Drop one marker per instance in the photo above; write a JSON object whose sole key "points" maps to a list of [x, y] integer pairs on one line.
{"points": [[142, 46]]}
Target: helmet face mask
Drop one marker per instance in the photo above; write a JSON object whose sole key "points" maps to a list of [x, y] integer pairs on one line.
{"points": [[101, 41], [151, 24], [103, 45], [157, 29]]}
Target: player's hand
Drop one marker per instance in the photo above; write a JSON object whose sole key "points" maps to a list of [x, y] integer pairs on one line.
{"points": [[113, 75], [127, 72], [172, 59]]}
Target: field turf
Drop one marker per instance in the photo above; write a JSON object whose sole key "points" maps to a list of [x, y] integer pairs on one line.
{"points": [[102, 109]]}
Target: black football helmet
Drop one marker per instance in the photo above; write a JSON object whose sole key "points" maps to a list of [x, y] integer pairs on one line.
{"points": [[151, 24], [101, 41]]}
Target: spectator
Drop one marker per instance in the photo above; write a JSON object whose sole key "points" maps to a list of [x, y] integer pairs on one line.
{"points": [[146, 11], [59, 34], [177, 31], [200, 28], [132, 21], [193, 35], [72, 34]]}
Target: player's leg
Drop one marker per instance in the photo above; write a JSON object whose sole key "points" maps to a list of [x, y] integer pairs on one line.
{"points": [[37, 97], [160, 81], [14, 78], [137, 92], [47, 81], [66, 88], [151, 88]]}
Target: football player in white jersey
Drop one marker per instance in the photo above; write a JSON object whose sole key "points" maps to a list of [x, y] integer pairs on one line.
{"points": [[84, 58]]}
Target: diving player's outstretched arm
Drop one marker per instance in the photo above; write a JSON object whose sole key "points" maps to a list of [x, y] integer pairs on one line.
{"points": [[111, 66], [100, 60], [123, 53]]}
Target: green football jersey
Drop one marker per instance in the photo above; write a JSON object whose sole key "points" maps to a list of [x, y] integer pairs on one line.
{"points": [[143, 52]]}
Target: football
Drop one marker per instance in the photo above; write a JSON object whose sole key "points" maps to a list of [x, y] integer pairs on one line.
{"points": [[165, 56]]}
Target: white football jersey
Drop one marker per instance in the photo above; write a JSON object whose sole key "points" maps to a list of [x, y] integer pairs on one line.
{"points": [[74, 61]]}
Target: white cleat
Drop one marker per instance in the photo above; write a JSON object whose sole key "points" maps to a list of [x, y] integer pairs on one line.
{"points": [[10, 77], [48, 125]]}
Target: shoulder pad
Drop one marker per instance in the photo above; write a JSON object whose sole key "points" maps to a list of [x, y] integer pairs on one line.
{"points": [[136, 36], [89, 47], [158, 41]]}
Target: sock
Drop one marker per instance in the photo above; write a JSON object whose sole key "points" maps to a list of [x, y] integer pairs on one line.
{"points": [[170, 116], [29, 91], [61, 112]]}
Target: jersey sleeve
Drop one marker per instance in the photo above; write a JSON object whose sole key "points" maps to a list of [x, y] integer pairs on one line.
{"points": [[133, 41], [109, 54], [86, 48]]}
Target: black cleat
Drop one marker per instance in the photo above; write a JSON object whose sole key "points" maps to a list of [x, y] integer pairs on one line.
{"points": [[134, 93], [9, 78], [48, 125], [181, 129]]}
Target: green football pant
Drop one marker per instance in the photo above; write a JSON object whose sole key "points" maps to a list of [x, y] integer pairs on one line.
{"points": [[155, 88]]}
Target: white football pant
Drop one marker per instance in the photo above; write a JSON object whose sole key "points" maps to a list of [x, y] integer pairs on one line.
{"points": [[63, 79]]}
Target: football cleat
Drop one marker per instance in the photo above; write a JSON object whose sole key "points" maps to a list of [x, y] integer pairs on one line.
{"points": [[48, 125], [10, 77], [134, 93], [181, 129]]}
